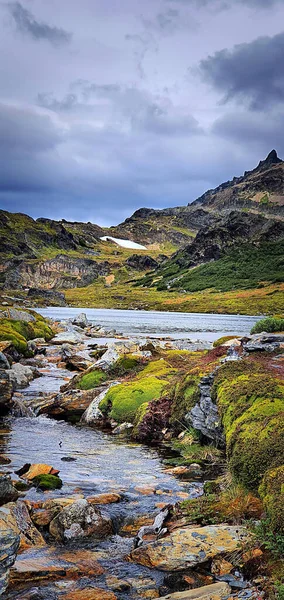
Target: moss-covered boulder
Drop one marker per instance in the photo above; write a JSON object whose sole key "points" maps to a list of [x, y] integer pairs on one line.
{"points": [[47, 482], [94, 376], [20, 331], [251, 402], [271, 491], [122, 402], [92, 379]]}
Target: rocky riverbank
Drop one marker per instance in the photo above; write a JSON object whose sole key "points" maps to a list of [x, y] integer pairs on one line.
{"points": [[207, 523]]}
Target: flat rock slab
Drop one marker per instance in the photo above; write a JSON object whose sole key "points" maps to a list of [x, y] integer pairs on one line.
{"points": [[189, 547], [88, 594], [216, 591], [51, 563]]}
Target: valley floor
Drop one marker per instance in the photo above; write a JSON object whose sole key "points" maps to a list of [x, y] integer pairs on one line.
{"points": [[268, 299]]}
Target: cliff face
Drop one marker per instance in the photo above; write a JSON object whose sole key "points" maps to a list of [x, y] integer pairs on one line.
{"points": [[61, 272]]}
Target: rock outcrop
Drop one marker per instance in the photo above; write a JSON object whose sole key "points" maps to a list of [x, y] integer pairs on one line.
{"points": [[61, 272], [9, 544], [188, 547]]}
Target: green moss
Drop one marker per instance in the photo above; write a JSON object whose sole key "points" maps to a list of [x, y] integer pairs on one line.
{"points": [[92, 379], [19, 332], [125, 365], [271, 491], [222, 340], [122, 401], [251, 404], [47, 482]]}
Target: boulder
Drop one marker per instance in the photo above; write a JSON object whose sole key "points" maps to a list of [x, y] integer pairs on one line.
{"points": [[15, 516], [67, 337], [8, 492], [80, 519], [93, 415], [123, 429], [6, 391], [18, 315], [109, 358], [81, 320], [188, 547], [75, 362], [91, 593], [37, 469], [9, 544], [70, 404], [215, 591], [20, 375]]}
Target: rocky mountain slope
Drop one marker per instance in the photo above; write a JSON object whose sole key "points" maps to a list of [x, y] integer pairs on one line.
{"points": [[229, 238]]}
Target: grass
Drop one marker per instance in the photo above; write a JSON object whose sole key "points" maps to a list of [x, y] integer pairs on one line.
{"points": [[268, 299]]}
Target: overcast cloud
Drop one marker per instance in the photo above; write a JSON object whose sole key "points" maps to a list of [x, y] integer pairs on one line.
{"points": [[107, 107]]}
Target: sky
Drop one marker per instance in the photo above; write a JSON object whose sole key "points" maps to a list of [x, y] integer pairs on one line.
{"points": [[109, 106]]}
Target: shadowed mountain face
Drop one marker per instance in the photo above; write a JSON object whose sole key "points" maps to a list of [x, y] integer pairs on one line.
{"points": [[244, 215]]}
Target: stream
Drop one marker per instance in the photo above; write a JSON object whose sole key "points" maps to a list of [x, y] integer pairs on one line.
{"points": [[101, 462]]}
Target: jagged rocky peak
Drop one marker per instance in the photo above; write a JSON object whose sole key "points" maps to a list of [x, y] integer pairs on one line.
{"points": [[271, 159]]}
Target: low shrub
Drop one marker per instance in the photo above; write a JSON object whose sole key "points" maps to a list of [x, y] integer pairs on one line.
{"points": [[269, 325]]}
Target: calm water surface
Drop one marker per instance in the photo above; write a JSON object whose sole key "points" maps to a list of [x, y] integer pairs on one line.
{"points": [[176, 325]]}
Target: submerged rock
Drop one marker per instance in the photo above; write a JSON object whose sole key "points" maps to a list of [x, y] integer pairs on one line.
{"points": [[80, 519], [188, 547]]}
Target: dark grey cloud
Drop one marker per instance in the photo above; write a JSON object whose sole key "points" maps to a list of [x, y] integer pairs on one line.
{"points": [[251, 72], [37, 30]]}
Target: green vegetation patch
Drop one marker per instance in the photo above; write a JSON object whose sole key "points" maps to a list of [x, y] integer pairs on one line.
{"points": [[251, 403], [47, 482], [271, 491], [122, 402], [20, 332], [92, 380], [242, 267], [269, 325]]}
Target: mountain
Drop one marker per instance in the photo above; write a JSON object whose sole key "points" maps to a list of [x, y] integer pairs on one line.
{"points": [[229, 238]]}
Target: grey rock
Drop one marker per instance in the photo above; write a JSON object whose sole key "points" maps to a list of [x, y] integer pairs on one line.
{"points": [[81, 320], [48, 297], [8, 492], [67, 337], [78, 520], [9, 544], [18, 315], [108, 359], [93, 415], [204, 415], [20, 375], [123, 429], [4, 364]]}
